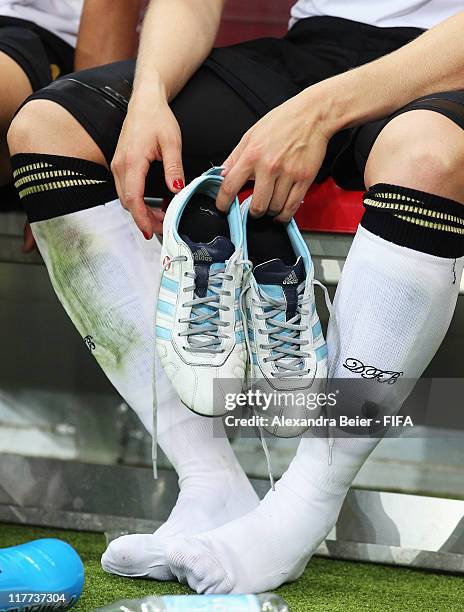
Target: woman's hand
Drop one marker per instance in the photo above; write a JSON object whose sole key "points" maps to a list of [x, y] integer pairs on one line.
{"points": [[150, 132], [282, 153]]}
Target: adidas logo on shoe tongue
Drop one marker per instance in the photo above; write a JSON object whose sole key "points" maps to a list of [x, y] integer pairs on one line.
{"points": [[291, 279], [202, 255]]}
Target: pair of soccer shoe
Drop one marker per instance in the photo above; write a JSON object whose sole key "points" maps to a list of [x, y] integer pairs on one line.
{"points": [[236, 309]]}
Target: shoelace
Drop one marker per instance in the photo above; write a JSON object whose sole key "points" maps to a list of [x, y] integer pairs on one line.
{"points": [[278, 324], [203, 333], [285, 344]]}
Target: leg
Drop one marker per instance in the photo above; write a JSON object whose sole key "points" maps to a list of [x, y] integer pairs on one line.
{"points": [[15, 89], [106, 275], [25, 67], [392, 309]]}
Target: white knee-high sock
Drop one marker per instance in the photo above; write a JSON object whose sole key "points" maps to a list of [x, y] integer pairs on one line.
{"points": [[99, 266], [106, 276], [392, 309]]}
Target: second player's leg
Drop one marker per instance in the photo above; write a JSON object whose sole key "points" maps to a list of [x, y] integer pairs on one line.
{"points": [[14, 90]]}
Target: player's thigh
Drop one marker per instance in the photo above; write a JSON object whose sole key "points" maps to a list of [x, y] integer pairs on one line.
{"points": [[24, 68], [78, 115], [14, 90]]}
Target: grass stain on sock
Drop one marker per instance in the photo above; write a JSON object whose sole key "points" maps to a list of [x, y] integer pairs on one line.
{"points": [[94, 287]]}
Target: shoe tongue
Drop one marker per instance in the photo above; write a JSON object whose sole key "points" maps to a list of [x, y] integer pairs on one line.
{"points": [[206, 254], [276, 272], [279, 280]]}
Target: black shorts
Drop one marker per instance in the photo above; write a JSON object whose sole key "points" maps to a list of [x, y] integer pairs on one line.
{"points": [[42, 55], [239, 84]]}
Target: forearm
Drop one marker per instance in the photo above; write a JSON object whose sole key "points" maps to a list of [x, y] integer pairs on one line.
{"points": [[177, 37], [107, 33], [431, 63]]}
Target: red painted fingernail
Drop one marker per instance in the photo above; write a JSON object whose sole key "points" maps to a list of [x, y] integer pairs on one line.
{"points": [[178, 184], [146, 235]]}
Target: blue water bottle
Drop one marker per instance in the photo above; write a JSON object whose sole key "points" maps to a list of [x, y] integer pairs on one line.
{"points": [[40, 576]]}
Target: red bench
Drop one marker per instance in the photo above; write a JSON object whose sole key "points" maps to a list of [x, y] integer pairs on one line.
{"points": [[327, 208]]}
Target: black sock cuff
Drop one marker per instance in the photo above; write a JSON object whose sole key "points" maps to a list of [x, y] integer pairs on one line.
{"points": [[52, 186], [415, 219]]}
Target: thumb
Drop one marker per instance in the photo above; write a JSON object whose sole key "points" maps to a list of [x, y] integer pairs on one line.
{"points": [[173, 169]]}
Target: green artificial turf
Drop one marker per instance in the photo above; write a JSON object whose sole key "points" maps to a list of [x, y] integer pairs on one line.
{"points": [[327, 585]]}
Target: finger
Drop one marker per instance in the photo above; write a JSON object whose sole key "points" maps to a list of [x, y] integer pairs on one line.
{"points": [[294, 201], [227, 165], [29, 241], [156, 217], [171, 154], [231, 185], [262, 194], [282, 189], [233, 158], [133, 191]]}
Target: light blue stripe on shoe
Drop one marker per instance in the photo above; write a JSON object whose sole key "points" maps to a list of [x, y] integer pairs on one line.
{"points": [[166, 307], [321, 352], [317, 330], [254, 358], [239, 337], [163, 333], [170, 285]]}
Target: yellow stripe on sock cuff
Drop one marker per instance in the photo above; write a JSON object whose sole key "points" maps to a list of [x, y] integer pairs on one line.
{"points": [[430, 225], [434, 214], [41, 176], [28, 168], [58, 185]]}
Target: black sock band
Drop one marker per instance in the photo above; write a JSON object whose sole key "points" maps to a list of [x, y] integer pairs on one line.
{"points": [[415, 219], [51, 186]]}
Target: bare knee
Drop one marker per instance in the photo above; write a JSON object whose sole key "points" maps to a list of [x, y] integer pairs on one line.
{"points": [[45, 127], [422, 150]]}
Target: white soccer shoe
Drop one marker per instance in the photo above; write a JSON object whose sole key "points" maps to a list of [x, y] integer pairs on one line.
{"points": [[199, 330], [288, 353]]}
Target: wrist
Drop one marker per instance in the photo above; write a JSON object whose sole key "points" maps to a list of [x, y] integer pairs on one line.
{"points": [[339, 101], [360, 95], [148, 91], [328, 106]]}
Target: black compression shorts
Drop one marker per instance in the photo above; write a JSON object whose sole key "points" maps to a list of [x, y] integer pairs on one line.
{"points": [[239, 84], [42, 55]]}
